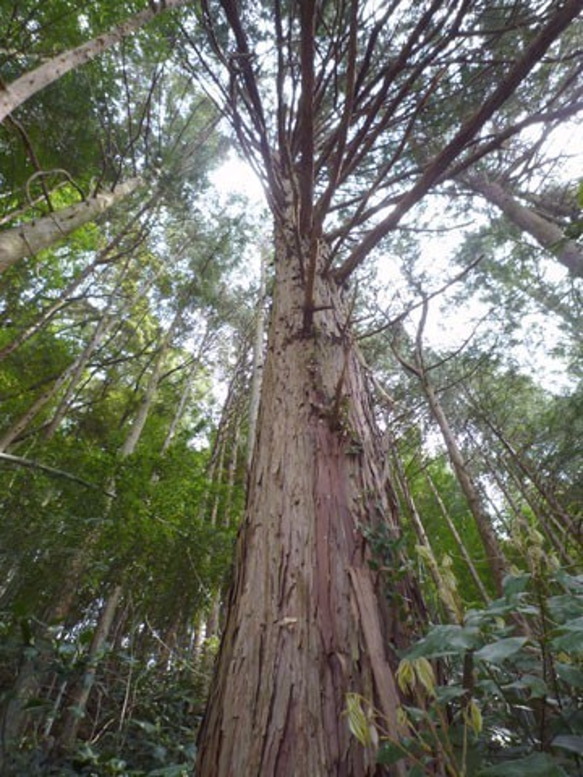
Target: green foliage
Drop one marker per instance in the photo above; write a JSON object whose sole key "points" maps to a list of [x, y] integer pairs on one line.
{"points": [[507, 703]]}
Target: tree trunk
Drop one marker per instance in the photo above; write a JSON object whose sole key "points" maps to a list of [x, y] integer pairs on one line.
{"points": [[105, 256], [446, 593], [139, 421], [307, 621], [496, 558], [71, 375], [258, 358], [23, 88], [80, 696], [547, 234], [30, 238], [458, 540]]}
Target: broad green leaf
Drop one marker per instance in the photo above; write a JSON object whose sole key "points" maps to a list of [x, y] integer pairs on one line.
{"points": [[390, 753], [445, 694], [499, 651], [515, 584], [535, 685], [566, 607], [535, 765], [445, 641], [574, 625], [569, 674], [570, 742]]}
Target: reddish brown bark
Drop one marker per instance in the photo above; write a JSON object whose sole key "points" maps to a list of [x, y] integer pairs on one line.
{"points": [[307, 621]]}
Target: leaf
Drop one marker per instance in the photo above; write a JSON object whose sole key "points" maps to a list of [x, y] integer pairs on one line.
{"points": [[174, 770], [573, 625], [445, 694], [502, 649], [147, 726], [406, 676], [569, 674], [573, 583], [566, 607], [390, 753], [445, 641], [425, 674], [357, 721], [515, 584], [535, 765], [536, 685], [571, 642], [474, 717], [570, 742]]}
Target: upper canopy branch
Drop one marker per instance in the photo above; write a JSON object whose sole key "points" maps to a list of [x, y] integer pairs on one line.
{"points": [[468, 131], [330, 100]]}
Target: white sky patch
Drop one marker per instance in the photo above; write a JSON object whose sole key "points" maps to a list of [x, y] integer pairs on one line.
{"points": [[235, 176]]}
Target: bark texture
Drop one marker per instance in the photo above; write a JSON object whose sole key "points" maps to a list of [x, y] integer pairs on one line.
{"points": [[29, 239], [308, 622]]}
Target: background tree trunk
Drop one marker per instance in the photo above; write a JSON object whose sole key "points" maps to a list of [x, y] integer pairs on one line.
{"points": [[547, 233], [28, 239], [23, 88]]}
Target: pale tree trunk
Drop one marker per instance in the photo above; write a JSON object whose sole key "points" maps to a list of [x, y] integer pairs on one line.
{"points": [[181, 408], [547, 233], [445, 592], [137, 426], [226, 449], [495, 556], [258, 358], [71, 375], [77, 702], [186, 392], [80, 694], [307, 621], [108, 320], [421, 371], [15, 94], [546, 521], [30, 238], [559, 544], [458, 540], [564, 522], [104, 257]]}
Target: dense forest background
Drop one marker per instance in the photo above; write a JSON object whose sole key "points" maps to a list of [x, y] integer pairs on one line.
{"points": [[135, 294]]}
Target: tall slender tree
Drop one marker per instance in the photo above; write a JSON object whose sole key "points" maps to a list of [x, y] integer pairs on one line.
{"points": [[326, 117]]}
